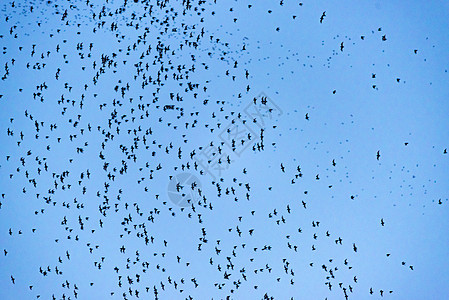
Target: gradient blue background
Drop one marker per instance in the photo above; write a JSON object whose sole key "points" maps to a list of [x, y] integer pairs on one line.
{"points": [[298, 67]]}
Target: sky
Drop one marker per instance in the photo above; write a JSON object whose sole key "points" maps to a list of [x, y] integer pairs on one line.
{"points": [[224, 150]]}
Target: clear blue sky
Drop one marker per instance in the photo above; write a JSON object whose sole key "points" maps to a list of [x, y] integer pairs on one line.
{"points": [[355, 127]]}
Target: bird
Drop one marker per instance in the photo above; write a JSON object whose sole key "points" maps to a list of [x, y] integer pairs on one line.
{"points": [[322, 16]]}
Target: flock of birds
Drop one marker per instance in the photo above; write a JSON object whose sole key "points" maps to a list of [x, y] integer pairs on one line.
{"points": [[123, 95]]}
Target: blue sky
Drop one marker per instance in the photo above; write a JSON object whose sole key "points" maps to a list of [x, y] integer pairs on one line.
{"points": [[329, 111]]}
